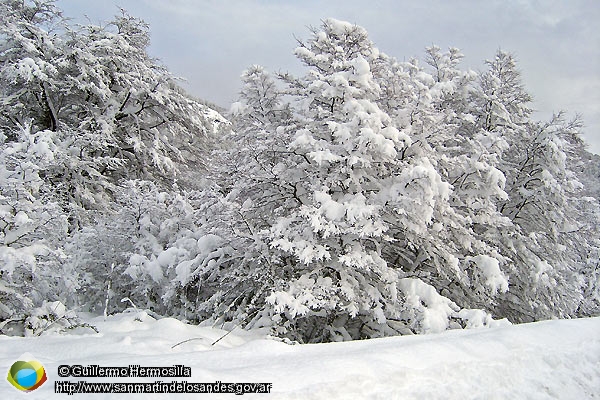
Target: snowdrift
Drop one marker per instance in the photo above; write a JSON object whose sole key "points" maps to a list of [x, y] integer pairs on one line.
{"points": [[551, 359]]}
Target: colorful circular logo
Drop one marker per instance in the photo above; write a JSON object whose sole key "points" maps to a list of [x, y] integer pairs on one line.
{"points": [[27, 375]]}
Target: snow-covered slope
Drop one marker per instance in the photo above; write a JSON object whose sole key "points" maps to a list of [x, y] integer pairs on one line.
{"points": [[553, 359]]}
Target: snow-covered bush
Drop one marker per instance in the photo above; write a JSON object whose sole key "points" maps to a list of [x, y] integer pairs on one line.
{"points": [[53, 317], [132, 249]]}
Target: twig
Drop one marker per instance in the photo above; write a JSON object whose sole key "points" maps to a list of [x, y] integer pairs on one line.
{"points": [[185, 341], [217, 341]]}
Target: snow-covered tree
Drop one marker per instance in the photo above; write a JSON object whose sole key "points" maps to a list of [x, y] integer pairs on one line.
{"points": [[447, 179], [83, 108], [348, 146], [32, 228], [118, 111], [128, 105], [544, 196], [360, 199], [28, 49], [588, 172], [247, 193], [465, 159]]}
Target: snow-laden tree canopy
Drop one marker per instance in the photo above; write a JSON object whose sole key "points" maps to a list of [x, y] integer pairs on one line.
{"points": [[365, 197]]}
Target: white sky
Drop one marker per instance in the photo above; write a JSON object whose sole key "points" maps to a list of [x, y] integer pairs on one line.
{"points": [[210, 42]]}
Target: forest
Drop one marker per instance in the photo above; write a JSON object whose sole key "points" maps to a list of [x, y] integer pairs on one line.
{"points": [[366, 197]]}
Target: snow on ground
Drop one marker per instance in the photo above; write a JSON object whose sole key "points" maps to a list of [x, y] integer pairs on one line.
{"points": [[545, 360]]}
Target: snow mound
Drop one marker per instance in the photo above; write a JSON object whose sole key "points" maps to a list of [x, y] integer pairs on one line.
{"points": [[544, 360]]}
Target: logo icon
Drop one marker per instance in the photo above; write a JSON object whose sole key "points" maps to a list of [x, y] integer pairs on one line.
{"points": [[26, 375]]}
